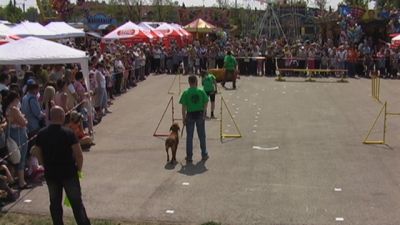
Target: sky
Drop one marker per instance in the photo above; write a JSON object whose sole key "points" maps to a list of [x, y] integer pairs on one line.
{"points": [[252, 3]]}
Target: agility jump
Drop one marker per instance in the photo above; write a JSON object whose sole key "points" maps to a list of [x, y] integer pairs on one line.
{"points": [[385, 113]]}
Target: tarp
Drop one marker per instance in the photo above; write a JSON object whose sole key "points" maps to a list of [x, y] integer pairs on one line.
{"points": [[3, 28], [396, 40], [32, 50], [25, 29], [171, 33], [188, 35], [8, 38], [63, 30], [200, 26], [129, 33], [153, 31]]}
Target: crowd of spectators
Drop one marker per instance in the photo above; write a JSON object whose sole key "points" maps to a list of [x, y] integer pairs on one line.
{"points": [[29, 92]]}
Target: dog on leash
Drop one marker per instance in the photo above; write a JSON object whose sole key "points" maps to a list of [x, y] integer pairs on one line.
{"points": [[172, 141]]}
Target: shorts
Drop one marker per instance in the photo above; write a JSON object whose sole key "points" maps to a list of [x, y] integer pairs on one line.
{"points": [[212, 96]]}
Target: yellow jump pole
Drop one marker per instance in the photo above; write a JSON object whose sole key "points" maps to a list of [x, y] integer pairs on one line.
{"points": [[220, 122], [279, 78], [378, 88], [169, 90], [162, 117], [384, 124], [373, 125], [237, 128]]}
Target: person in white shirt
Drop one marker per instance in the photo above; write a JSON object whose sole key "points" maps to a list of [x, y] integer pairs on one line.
{"points": [[101, 90]]}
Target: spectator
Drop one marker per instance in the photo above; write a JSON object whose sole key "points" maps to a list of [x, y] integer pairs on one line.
{"points": [[17, 130], [58, 149]]}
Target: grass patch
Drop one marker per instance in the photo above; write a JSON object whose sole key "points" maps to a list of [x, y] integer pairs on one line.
{"points": [[28, 219]]}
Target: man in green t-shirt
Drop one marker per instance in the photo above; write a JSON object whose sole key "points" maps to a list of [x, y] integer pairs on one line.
{"points": [[209, 83], [194, 103], [230, 65]]}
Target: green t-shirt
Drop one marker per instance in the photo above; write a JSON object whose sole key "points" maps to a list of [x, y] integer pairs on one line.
{"points": [[230, 62], [194, 99], [208, 83]]}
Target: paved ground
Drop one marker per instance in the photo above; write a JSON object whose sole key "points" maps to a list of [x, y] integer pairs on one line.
{"points": [[318, 128]]}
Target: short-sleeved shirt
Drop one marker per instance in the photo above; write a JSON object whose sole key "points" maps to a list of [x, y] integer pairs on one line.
{"points": [[208, 83], [194, 99], [230, 62], [56, 143]]}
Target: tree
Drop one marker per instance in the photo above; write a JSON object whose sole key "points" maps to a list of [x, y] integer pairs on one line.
{"points": [[321, 4], [32, 14], [12, 13]]}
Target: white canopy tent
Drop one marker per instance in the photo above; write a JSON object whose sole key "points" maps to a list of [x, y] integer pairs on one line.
{"points": [[26, 29], [36, 51], [3, 28], [63, 30]]}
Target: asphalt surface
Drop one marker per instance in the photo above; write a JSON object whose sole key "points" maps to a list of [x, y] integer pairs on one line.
{"points": [[300, 161]]}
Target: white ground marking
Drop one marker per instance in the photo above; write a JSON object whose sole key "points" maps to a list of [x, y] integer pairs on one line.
{"points": [[255, 125], [339, 219], [27, 201], [236, 112], [246, 100], [185, 183], [256, 94], [254, 104], [266, 149], [258, 113], [284, 86], [256, 117], [169, 211], [284, 92], [228, 125], [233, 116], [254, 131], [337, 189], [255, 121], [237, 109], [233, 104], [259, 109]]}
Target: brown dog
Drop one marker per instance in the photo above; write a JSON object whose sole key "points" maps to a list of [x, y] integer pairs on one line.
{"points": [[172, 141]]}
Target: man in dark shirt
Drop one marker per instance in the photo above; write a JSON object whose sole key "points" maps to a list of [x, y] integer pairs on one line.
{"points": [[58, 150]]}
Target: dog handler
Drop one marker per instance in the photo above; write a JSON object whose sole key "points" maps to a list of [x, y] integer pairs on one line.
{"points": [[194, 103], [210, 87]]}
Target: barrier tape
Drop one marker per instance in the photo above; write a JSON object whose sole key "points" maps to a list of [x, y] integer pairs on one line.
{"points": [[32, 138]]}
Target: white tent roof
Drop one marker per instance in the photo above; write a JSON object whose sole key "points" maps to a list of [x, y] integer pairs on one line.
{"points": [[146, 26], [397, 38], [32, 50], [63, 30], [168, 29], [25, 29], [3, 28], [128, 30]]}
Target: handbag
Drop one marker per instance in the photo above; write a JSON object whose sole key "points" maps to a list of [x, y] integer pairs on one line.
{"points": [[14, 155]]}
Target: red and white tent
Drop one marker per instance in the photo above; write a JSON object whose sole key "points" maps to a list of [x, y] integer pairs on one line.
{"points": [[188, 36], [8, 38], [171, 33], [396, 41], [129, 34], [158, 34]]}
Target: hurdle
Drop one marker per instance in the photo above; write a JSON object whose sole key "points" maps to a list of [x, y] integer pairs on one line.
{"points": [[179, 85], [222, 135], [173, 119], [376, 87], [311, 72], [385, 113]]}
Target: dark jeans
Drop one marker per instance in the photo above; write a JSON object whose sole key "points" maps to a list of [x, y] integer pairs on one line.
{"points": [[72, 188], [195, 119]]}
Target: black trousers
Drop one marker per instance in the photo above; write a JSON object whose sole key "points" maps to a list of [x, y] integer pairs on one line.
{"points": [[118, 82], [72, 188]]}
